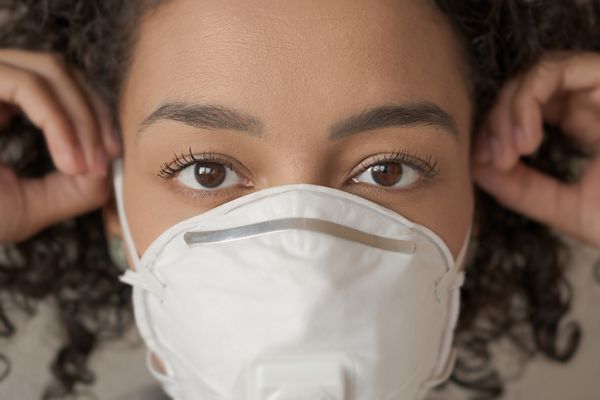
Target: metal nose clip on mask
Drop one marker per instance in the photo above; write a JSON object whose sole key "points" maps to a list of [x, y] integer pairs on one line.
{"points": [[296, 292]]}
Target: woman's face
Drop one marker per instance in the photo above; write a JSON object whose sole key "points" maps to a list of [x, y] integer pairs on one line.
{"points": [[227, 97]]}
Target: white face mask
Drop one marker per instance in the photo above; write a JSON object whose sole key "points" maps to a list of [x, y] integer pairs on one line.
{"points": [[296, 292]]}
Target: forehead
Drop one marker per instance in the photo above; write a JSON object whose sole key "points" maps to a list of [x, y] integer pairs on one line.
{"points": [[288, 58]]}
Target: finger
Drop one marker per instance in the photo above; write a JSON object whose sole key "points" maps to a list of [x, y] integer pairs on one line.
{"points": [[560, 71], [533, 194], [57, 197], [76, 104], [32, 95], [498, 140], [581, 118], [109, 135]]}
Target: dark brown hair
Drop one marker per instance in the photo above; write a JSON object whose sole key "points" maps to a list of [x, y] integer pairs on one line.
{"points": [[515, 288]]}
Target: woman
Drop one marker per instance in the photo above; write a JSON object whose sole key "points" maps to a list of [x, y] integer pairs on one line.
{"points": [[209, 110]]}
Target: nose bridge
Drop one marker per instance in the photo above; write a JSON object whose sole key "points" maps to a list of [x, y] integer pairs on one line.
{"points": [[306, 165], [287, 176]]}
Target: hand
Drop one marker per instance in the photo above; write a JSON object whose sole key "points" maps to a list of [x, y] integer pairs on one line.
{"points": [[80, 137], [563, 89]]}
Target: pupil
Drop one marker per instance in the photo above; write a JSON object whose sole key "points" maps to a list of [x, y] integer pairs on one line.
{"points": [[209, 174], [387, 174]]}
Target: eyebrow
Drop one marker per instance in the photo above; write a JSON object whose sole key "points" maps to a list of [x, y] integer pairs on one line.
{"points": [[217, 117]]}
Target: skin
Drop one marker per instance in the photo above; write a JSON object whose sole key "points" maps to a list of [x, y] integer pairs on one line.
{"points": [[79, 135], [562, 88], [299, 68]]}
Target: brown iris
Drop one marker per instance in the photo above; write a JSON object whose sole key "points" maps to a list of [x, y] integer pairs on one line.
{"points": [[386, 174], [209, 174]]}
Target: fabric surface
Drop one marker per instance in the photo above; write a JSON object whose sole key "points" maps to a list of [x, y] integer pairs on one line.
{"points": [[121, 370]]}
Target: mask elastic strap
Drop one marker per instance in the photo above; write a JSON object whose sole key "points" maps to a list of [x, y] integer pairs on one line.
{"points": [[142, 277], [445, 372], [168, 383], [455, 277]]}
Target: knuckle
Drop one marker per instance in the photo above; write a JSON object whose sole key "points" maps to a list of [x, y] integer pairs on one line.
{"points": [[30, 82], [56, 61], [552, 63], [54, 65], [581, 58]]}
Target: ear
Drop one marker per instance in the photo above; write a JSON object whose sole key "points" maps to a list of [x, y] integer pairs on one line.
{"points": [[114, 235]]}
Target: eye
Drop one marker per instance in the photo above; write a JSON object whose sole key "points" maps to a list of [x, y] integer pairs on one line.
{"points": [[389, 175], [205, 172], [203, 175], [397, 170]]}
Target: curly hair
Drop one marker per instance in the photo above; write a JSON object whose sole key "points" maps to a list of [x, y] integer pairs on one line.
{"points": [[515, 289]]}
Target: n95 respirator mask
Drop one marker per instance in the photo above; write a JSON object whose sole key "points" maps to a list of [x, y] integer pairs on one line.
{"points": [[296, 292]]}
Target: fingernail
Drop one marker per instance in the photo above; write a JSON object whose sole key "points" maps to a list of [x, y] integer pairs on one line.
{"points": [[496, 151], [520, 139]]}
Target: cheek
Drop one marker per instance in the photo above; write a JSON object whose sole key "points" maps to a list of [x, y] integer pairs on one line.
{"points": [[452, 218], [143, 216], [446, 208], [150, 208], [453, 209]]}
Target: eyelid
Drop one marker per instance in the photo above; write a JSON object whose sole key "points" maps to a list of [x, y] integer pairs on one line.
{"points": [[427, 166], [183, 160]]}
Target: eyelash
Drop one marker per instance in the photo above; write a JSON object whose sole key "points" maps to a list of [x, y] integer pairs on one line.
{"points": [[184, 160], [427, 166]]}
